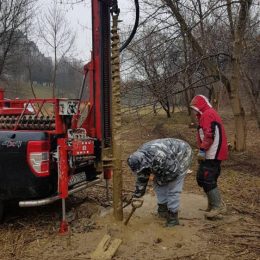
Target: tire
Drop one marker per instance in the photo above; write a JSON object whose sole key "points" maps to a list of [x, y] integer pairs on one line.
{"points": [[1, 211]]}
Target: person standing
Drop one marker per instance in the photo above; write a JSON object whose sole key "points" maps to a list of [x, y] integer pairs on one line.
{"points": [[213, 149], [168, 160]]}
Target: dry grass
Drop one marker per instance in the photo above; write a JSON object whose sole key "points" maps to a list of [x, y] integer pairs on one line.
{"points": [[239, 183]]}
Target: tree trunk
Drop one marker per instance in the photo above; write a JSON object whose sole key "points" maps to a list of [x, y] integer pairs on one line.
{"points": [[54, 73], [173, 104], [214, 95], [166, 108], [168, 114], [219, 94], [255, 106], [186, 91], [240, 123], [187, 101], [154, 108], [238, 111]]}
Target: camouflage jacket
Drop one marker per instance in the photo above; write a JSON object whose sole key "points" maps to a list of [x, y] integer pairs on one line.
{"points": [[165, 158]]}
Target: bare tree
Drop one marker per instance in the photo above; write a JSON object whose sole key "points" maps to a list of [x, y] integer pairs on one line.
{"points": [[214, 38], [15, 17], [232, 84], [154, 68], [57, 35]]}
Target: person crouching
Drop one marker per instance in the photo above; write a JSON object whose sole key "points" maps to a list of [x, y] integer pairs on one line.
{"points": [[168, 160]]}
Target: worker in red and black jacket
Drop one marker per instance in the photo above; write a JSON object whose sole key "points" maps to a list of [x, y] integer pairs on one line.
{"points": [[213, 149]]}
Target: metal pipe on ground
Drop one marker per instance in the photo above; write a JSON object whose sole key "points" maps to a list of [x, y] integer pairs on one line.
{"points": [[46, 201]]}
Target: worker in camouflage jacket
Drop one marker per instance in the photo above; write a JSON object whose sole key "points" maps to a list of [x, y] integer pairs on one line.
{"points": [[168, 160]]}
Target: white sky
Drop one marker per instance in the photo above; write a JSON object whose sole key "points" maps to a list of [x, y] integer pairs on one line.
{"points": [[79, 15]]}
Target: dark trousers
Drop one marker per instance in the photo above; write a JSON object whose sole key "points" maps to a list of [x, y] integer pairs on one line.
{"points": [[208, 173]]}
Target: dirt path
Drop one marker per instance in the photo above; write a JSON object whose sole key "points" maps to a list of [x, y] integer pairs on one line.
{"points": [[145, 237]]}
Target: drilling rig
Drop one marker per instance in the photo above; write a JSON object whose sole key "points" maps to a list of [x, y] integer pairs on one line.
{"points": [[49, 148]]}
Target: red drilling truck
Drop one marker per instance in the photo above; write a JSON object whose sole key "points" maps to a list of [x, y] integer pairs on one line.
{"points": [[51, 148], [48, 148]]}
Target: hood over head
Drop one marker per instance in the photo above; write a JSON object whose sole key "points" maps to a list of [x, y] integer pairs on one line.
{"points": [[200, 104], [137, 161]]}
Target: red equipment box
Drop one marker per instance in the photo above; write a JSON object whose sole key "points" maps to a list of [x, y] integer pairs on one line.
{"points": [[82, 147]]}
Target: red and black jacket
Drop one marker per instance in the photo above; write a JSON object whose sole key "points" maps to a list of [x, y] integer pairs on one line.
{"points": [[211, 133]]}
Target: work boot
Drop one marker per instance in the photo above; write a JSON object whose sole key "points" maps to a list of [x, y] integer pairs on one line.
{"points": [[172, 219], [216, 206], [162, 210]]}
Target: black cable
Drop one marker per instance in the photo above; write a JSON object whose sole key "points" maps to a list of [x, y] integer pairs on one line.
{"points": [[137, 15]]}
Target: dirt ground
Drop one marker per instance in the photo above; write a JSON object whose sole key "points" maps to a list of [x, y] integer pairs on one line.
{"points": [[32, 233]]}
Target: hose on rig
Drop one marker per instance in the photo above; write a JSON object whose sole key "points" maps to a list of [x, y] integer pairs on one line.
{"points": [[137, 15], [116, 10]]}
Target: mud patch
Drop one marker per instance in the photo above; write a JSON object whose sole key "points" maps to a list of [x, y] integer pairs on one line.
{"points": [[146, 237]]}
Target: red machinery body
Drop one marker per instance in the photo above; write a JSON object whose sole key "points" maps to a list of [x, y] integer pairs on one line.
{"points": [[75, 145]]}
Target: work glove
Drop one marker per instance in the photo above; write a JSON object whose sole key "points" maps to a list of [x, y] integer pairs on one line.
{"points": [[137, 195], [139, 191], [201, 155]]}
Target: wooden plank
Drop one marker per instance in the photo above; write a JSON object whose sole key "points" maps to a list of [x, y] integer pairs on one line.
{"points": [[110, 252], [101, 247], [106, 248]]}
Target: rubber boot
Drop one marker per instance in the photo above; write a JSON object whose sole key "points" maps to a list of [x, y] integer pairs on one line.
{"points": [[162, 210], [215, 202], [172, 219], [208, 209]]}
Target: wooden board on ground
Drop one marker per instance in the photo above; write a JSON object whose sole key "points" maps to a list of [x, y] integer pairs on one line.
{"points": [[106, 248]]}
